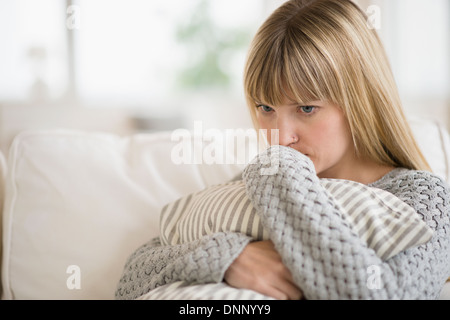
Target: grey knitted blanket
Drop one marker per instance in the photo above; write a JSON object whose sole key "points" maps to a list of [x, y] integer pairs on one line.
{"points": [[327, 259]]}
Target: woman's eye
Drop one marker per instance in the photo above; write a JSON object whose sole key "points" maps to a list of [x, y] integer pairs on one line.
{"points": [[307, 109], [265, 109]]}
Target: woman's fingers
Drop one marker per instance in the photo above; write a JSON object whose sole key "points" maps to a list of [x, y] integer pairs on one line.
{"points": [[281, 279], [259, 268]]}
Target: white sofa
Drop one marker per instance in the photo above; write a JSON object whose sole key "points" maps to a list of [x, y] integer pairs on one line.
{"points": [[76, 204]]}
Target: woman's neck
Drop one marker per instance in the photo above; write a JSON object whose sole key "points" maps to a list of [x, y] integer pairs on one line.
{"points": [[362, 171]]}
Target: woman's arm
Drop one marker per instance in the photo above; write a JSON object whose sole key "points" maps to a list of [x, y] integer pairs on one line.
{"points": [[326, 258], [201, 261]]}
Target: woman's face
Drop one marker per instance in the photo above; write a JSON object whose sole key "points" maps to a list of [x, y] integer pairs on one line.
{"points": [[319, 130]]}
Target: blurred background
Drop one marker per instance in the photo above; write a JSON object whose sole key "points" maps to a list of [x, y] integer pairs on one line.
{"points": [[129, 66]]}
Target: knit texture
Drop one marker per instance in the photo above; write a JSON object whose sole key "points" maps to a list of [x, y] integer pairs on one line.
{"points": [[327, 259], [198, 262]]}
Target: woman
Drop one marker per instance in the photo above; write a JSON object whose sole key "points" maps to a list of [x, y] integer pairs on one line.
{"points": [[319, 75]]}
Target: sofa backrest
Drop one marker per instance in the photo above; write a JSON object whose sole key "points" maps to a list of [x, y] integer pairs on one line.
{"points": [[433, 139]]}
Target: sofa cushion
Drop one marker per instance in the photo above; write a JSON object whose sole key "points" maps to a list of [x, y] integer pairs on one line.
{"points": [[78, 204]]}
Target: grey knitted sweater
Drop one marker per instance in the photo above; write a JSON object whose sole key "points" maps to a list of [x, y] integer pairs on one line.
{"points": [[326, 258]]}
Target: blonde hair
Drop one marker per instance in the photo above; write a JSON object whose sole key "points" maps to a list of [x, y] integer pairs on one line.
{"points": [[325, 50]]}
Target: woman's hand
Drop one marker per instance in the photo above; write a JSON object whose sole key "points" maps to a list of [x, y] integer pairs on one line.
{"points": [[259, 268]]}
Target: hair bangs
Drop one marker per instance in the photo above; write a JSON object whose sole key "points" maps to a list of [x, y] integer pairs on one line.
{"points": [[281, 73], [265, 84], [302, 81]]}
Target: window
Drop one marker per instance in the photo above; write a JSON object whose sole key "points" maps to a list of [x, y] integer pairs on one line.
{"points": [[33, 58], [186, 57], [159, 57], [142, 53], [420, 51]]}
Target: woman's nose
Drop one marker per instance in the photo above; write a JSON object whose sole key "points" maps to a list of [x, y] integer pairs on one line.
{"points": [[287, 133]]}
